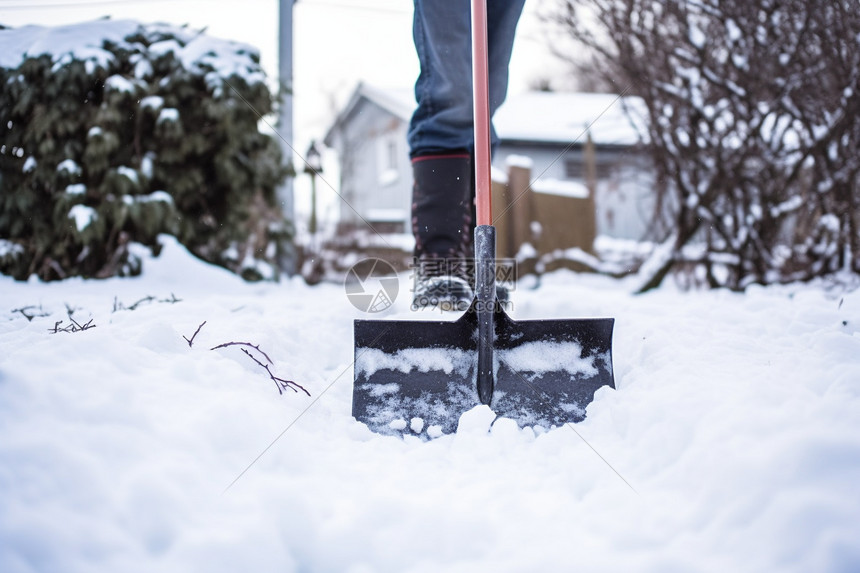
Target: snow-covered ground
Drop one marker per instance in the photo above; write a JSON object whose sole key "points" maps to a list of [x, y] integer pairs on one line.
{"points": [[731, 444]]}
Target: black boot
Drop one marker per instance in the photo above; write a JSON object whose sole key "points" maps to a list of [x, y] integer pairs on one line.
{"points": [[442, 199]]}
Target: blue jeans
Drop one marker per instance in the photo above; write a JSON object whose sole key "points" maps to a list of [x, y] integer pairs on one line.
{"points": [[442, 33]]}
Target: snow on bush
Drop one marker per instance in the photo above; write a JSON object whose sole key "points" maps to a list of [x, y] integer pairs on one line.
{"points": [[114, 132]]}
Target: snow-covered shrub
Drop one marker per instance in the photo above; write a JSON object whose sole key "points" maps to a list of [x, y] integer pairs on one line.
{"points": [[116, 132], [753, 110]]}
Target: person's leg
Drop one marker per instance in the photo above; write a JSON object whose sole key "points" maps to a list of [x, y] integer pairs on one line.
{"points": [[441, 137], [442, 34], [443, 119]]}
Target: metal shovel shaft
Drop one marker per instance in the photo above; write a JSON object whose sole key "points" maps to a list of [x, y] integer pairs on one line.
{"points": [[485, 305]]}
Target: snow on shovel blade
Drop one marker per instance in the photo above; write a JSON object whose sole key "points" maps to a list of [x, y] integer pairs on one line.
{"points": [[420, 376]]}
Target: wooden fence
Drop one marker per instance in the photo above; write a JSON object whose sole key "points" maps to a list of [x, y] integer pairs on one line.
{"points": [[550, 221]]}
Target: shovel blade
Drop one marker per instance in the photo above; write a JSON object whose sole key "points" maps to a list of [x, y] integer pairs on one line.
{"points": [[419, 377]]}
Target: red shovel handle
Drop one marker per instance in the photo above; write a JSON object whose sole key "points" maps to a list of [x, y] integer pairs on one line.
{"points": [[481, 94]]}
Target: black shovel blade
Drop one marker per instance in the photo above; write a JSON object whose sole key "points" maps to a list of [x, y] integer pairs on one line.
{"points": [[418, 377]]}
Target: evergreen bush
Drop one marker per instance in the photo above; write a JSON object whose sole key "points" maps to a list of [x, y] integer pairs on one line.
{"points": [[147, 129]]}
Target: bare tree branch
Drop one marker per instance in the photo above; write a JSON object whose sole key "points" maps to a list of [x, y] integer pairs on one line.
{"points": [[753, 110], [281, 383], [31, 312], [75, 326], [254, 346], [190, 341]]}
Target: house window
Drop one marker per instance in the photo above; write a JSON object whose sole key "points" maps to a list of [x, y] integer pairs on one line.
{"points": [[574, 168], [391, 154], [389, 160]]}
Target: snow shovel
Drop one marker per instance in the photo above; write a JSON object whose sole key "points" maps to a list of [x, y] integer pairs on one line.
{"points": [[418, 377]]}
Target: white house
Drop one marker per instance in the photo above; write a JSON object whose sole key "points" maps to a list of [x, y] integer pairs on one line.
{"points": [[549, 129]]}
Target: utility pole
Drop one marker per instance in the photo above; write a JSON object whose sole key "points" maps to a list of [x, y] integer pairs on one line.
{"points": [[285, 115]]}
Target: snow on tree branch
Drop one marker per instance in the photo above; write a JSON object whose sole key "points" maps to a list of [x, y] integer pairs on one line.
{"points": [[754, 120]]}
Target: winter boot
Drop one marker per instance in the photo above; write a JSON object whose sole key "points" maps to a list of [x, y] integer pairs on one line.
{"points": [[442, 223]]}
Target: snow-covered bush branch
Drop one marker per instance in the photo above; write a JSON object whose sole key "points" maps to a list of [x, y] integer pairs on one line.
{"points": [[116, 132]]}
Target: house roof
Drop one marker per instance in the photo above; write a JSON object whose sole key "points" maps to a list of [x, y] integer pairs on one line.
{"points": [[553, 117], [400, 102], [532, 117]]}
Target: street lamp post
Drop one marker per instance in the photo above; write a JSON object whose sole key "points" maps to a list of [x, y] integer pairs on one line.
{"points": [[313, 167], [313, 268]]}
